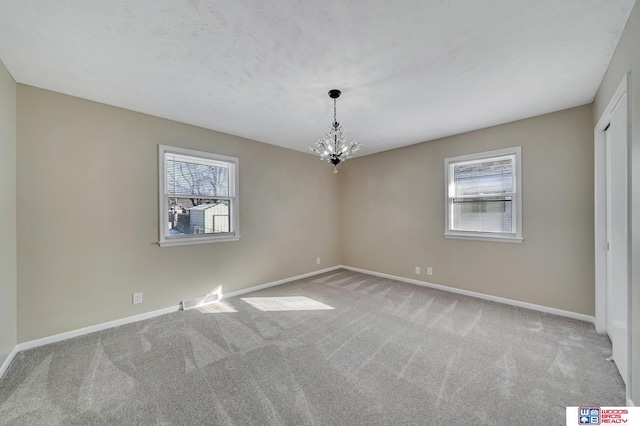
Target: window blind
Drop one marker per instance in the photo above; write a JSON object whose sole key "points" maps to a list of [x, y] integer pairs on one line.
{"points": [[483, 193], [191, 176]]}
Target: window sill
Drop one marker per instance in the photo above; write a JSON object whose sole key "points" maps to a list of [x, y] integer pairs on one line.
{"points": [[483, 237], [196, 240]]}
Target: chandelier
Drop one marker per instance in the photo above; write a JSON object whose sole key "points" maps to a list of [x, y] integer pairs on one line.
{"points": [[334, 147]]}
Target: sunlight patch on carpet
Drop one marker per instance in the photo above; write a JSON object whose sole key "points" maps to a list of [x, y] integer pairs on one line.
{"points": [[290, 303]]}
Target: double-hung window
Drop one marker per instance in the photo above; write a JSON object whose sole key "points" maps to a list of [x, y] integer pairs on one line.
{"points": [[484, 196], [198, 197]]}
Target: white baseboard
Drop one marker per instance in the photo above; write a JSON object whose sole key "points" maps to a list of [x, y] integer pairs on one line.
{"points": [[283, 281], [7, 361], [93, 328], [540, 308], [128, 320]]}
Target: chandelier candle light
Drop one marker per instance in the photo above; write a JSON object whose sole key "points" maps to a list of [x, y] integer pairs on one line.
{"points": [[334, 146]]}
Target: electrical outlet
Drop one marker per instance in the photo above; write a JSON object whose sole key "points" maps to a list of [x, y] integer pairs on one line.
{"points": [[417, 270], [429, 270], [317, 261], [137, 298]]}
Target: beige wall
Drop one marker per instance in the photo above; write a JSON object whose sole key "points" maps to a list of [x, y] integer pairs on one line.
{"points": [[627, 59], [393, 210], [8, 280], [88, 215]]}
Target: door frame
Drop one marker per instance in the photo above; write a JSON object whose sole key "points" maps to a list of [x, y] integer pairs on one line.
{"points": [[600, 212]]}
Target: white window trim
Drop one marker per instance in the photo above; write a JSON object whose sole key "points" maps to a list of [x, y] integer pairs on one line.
{"points": [[517, 198], [168, 241]]}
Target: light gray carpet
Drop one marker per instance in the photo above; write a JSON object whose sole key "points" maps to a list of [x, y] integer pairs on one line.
{"points": [[389, 353]]}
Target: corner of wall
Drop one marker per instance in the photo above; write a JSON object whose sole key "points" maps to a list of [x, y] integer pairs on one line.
{"points": [[8, 236]]}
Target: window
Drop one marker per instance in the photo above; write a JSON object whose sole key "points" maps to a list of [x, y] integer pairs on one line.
{"points": [[198, 197], [484, 196]]}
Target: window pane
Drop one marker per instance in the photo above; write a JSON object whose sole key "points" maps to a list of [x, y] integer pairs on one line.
{"points": [[483, 178], [483, 215], [196, 177], [187, 216]]}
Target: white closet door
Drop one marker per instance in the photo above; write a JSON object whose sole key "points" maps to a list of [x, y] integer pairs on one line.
{"points": [[617, 232]]}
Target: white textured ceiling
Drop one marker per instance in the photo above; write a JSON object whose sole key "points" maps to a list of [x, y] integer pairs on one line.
{"points": [[409, 70]]}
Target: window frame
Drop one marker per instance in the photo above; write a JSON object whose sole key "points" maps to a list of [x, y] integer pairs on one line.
{"points": [[163, 198], [516, 205]]}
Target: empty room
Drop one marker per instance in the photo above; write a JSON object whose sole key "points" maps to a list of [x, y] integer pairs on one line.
{"points": [[319, 213]]}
